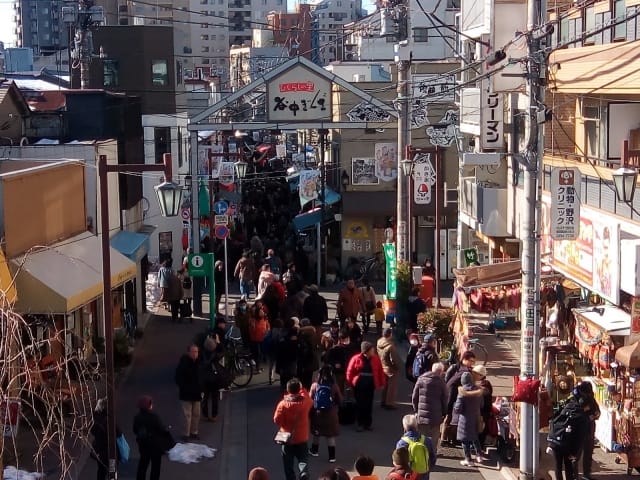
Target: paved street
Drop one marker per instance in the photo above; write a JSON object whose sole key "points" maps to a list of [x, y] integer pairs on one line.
{"points": [[244, 433]]}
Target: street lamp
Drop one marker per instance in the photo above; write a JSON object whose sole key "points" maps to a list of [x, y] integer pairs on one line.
{"points": [[169, 196], [241, 168], [344, 179], [407, 167], [624, 181]]}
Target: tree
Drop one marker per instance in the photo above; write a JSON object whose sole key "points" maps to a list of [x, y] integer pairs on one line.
{"points": [[47, 391]]}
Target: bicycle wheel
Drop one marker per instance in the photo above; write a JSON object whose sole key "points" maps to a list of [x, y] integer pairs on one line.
{"points": [[242, 372]]}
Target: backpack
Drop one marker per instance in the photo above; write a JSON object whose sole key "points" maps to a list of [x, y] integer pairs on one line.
{"points": [[420, 364], [407, 476], [418, 455], [563, 428], [322, 399]]}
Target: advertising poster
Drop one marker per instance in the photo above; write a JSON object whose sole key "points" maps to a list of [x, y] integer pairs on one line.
{"points": [[308, 186], [386, 161], [227, 174], [363, 171]]}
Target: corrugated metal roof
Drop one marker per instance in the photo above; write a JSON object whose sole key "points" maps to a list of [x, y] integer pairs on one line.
{"points": [[599, 69]]}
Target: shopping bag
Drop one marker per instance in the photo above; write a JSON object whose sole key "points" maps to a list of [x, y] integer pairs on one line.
{"points": [[123, 449], [282, 438]]}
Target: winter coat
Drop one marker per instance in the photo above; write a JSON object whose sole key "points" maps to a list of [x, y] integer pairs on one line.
{"points": [[265, 279], [350, 303], [245, 269], [355, 367], [368, 298], [100, 444], [388, 354], [292, 415], [466, 412], [188, 380], [452, 386], [148, 428], [315, 309], [429, 399], [258, 328], [428, 442], [287, 353], [324, 423]]}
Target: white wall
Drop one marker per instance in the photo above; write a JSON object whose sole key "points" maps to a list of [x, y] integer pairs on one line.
{"points": [[622, 118]]}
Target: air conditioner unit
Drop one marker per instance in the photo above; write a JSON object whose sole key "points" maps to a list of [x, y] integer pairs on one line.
{"points": [[590, 110], [350, 56], [359, 77]]}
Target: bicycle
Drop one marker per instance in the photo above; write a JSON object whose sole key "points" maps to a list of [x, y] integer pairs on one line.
{"points": [[237, 360]]}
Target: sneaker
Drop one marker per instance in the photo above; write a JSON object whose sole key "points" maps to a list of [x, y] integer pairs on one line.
{"points": [[466, 463], [332, 460], [481, 459], [314, 452]]}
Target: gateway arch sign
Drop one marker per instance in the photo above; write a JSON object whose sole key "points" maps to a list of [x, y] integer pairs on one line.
{"points": [[299, 95]]}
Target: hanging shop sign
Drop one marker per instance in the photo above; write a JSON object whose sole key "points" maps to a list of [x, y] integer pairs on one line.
{"points": [[386, 166], [592, 259], [390, 267], [565, 203], [424, 178], [298, 95], [435, 88], [308, 186], [491, 121]]}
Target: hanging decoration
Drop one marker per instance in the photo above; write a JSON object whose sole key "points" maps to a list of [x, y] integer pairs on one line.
{"points": [[227, 175], [586, 334]]}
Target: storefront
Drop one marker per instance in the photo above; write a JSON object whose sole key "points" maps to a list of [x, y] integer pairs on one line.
{"points": [[59, 288]]}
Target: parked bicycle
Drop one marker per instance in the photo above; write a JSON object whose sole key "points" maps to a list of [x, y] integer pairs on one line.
{"points": [[238, 359]]}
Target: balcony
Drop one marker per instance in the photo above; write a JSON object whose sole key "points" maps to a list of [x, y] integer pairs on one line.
{"points": [[483, 207]]}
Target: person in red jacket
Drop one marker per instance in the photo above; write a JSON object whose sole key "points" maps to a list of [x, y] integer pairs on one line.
{"points": [[365, 375], [292, 415]]}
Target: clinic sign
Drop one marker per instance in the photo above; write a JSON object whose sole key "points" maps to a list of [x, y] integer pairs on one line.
{"points": [[298, 95], [565, 203], [491, 121]]}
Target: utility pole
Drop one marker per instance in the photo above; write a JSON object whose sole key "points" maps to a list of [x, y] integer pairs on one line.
{"points": [[86, 16], [532, 162], [322, 238]]}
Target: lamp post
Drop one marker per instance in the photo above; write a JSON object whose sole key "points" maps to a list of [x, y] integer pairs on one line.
{"points": [[624, 182], [169, 196]]}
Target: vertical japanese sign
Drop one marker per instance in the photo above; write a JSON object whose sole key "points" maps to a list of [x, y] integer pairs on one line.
{"points": [[424, 178], [299, 95], [565, 203], [308, 186], [390, 267], [491, 121]]}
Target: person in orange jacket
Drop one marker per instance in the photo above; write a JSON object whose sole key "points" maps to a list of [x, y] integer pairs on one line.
{"points": [[365, 375], [259, 326], [292, 415]]}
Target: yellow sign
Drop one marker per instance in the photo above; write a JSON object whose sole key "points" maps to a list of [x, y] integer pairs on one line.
{"points": [[356, 230]]}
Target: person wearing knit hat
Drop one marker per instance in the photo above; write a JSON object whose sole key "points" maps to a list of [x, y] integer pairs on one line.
{"points": [[258, 473], [466, 413], [365, 375], [479, 373], [151, 435]]}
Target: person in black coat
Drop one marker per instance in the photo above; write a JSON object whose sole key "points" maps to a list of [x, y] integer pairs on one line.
{"points": [[190, 391], [415, 306], [566, 446], [315, 307], [100, 445], [467, 362], [150, 434], [287, 354]]}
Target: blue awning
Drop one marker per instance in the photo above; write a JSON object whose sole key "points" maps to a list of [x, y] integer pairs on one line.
{"points": [[331, 196], [307, 219], [132, 245]]}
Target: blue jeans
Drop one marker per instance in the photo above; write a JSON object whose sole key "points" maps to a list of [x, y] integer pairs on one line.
{"points": [[300, 452], [466, 448], [246, 287]]}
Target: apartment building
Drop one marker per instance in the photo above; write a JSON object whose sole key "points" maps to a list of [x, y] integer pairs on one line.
{"points": [[331, 16]]}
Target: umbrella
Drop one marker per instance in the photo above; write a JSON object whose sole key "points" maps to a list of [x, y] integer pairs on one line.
{"points": [[629, 356]]}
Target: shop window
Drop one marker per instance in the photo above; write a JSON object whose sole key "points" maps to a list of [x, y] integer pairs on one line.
{"points": [[162, 142]]}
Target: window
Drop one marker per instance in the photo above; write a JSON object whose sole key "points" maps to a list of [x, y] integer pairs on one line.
{"points": [[204, 49], [453, 4], [589, 18], [205, 61], [204, 37], [420, 35], [159, 72], [338, 3], [213, 37], [110, 73], [203, 2], [179, 73], [162, 142], [619, 12]]}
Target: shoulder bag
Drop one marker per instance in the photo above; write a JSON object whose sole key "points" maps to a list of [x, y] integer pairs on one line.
{"points": [[284, 438]]}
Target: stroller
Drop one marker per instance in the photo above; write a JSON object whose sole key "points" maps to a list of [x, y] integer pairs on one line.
{"points": [[498, 427]]}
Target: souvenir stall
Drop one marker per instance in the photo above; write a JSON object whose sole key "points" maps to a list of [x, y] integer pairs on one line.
{"points": [[623, 398], [600, 332]]}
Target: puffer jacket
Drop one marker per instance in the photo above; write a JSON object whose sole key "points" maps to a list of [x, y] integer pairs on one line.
{"points": [[292, 415], [466, 412], [388, 353], [356, 363], [429, 399]]}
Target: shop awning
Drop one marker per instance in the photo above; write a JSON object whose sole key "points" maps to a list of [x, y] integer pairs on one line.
{"points": [[629, 356], [331, 196], [488, 275], [132, 245], [607, 318], [307, 219], [66, 276], [6, 280]]}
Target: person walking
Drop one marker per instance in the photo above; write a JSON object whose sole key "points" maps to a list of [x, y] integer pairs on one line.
{"points": [[219, 278], [365, 375], [149, 431], [245, 271], [378, 317], [100, 445], [189, 391], [350, 302], [286, 348], [258, 328], [479, 374], [415, 306], [584, 391], [315, 308], [429, 400], [466, 413], [465, 365], [391, 366], [369, 299], [422, 456], [292, 416], [326, 397], [338, 357], [426, 356], [566, 435], [208, 381], [274, 263], [265, 279]]}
